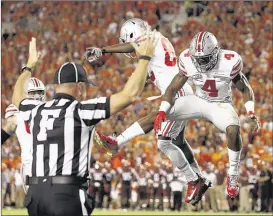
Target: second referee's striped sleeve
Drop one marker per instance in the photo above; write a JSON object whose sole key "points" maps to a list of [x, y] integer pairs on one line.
{"points": [[93, 110], [28, 104]]}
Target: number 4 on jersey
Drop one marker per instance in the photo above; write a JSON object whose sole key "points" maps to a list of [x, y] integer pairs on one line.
{"points": [[210, 86]]}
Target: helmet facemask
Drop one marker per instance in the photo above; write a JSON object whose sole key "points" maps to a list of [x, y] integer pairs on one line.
{"points": [[37, 95], [204, 63]]}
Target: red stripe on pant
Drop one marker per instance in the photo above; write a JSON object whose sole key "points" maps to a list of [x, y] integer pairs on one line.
{"points": [[170, 124]]}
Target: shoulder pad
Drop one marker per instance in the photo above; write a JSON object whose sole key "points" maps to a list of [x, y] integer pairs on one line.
{"points": [[11, 110]]}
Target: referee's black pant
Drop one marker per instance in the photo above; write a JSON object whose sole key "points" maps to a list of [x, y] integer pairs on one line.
{"points": [[177, 200], [47, 199]]}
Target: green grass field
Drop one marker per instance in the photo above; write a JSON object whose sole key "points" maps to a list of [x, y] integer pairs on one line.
{"points": [[118, 212]]}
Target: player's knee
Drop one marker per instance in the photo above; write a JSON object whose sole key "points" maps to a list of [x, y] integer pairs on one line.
{"points": [[163, 143], [233, 131]]}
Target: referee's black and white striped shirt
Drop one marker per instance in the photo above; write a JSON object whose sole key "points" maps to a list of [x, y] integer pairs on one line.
{"points": [[61, 132]]}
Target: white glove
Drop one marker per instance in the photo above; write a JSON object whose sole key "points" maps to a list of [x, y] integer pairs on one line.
{"points": [[92, 53]]}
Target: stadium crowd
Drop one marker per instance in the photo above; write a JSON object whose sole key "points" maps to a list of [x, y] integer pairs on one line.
{"points": [[245, 27]]}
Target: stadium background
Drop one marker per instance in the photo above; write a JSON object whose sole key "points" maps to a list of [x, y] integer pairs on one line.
{"points": [[63, 31]]}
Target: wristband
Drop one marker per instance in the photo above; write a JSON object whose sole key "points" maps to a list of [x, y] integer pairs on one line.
{"points": [[164, 106], [249, 105], [27, 68], [148, 58]]}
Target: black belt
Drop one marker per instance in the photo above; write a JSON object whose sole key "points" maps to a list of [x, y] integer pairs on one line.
{"points": [[70, 180]]}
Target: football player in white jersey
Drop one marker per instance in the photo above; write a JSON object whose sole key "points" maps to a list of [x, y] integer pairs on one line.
{"points": [[213, 71], [18, 122], [162, 69]]}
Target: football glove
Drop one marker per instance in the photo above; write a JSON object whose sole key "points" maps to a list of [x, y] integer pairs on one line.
{"points": [[256, 122], [161, 116], [92, 54]]}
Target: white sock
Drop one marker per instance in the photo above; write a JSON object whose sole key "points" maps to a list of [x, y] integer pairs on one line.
{"points": [[195, 167], [178, 158], [131, 132], [234, 161]]}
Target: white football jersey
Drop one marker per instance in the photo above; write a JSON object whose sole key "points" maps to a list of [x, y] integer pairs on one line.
{"points": [[214, 85], [23, 132], [163, 65]]}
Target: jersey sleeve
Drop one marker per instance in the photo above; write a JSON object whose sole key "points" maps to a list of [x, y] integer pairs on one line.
{"points": [[93, 110], [11, 110], [183, 58], [237, 67]]}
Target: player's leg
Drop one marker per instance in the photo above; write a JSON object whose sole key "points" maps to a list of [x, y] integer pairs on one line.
{"points": [[145, 125], [142, 126], [183, 144], [179, 160], [224, 117], [186, 108], [174, 131]]}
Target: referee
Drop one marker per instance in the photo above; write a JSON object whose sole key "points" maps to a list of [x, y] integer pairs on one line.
{"points": [[61, 130]]}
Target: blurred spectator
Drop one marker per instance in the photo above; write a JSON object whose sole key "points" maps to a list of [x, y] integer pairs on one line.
{"points": [[244, 195], [4, 182], [97, 189], [220, 187], [211, 196], [108, 175], [177, 189], [254, 186], [265, 181], [19, 190]]}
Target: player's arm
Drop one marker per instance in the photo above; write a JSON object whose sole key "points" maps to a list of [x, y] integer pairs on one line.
{"points": [[168, 99], [135, 84], [118, 48], [9, 127], [177, 83], [20, 88], [93, 53], [241, 83], [9, 123]]}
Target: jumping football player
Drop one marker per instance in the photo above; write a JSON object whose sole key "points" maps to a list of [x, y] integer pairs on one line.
{"points": [[162, 69], [213, 71]]}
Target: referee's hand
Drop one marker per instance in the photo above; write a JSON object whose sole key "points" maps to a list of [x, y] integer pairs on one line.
{"points": [[146, 45], [34, 55]]}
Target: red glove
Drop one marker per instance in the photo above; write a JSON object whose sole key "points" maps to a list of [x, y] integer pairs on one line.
{"points": [[161, 116]]}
